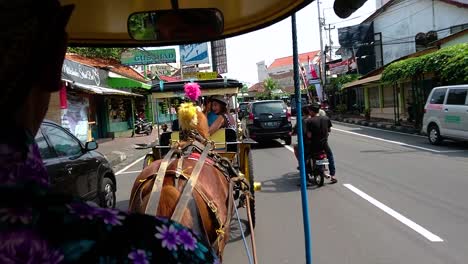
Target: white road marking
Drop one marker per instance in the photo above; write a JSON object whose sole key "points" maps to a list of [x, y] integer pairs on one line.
{"points": [[133, 163], [421, 230], [289, 148], [130, 172], [398, 142], [379, 129]]}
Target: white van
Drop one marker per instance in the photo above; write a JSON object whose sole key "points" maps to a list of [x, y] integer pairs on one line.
{"points": [[446, 114]]}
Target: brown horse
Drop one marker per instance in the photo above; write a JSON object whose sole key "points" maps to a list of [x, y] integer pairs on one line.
{"points": [[210, 208]]}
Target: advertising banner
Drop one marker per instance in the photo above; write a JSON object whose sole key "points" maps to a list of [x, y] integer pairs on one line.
{"points": [[194, 54]]}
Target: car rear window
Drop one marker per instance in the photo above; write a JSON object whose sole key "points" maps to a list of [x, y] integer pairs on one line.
{"points": [[457, 97], [268, 107], [438, 96]]}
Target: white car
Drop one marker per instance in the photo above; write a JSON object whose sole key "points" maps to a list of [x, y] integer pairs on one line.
{"points": [[446, 114]]}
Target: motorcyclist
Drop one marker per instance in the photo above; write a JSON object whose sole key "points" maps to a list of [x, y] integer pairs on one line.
{"points": [[319, 127]]}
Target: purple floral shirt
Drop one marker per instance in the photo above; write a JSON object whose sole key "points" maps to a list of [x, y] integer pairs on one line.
{"points": [[38, 226]]}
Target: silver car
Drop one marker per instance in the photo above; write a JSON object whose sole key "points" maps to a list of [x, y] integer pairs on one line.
{"points": [[446, 114]]}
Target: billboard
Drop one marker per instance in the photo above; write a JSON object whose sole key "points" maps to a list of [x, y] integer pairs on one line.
{"points": [[218, 56], [145, 57], [194, 54]]}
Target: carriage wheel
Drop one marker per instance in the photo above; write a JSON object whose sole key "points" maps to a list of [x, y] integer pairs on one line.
{"points": [[248, 172], [148, 160]]}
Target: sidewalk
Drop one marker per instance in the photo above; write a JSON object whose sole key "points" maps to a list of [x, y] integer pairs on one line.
{"points": [[122, 150], [405, 127]]}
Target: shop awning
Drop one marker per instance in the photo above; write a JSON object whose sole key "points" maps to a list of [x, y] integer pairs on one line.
{"points": [[119, 81], [102, 90], [372, 80]]}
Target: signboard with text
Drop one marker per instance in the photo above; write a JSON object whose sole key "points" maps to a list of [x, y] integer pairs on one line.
{"points": [[140, 57], [201, 75]]}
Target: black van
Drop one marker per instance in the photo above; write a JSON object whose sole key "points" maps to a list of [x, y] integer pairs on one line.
{"points": [[268, 120]]}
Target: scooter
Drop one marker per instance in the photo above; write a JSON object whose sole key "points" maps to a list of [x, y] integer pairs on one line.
{"points": [[143, 127], [316, 166]]}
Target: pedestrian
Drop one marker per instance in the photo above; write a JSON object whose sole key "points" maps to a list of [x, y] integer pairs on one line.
{"points": [[36, 224]]}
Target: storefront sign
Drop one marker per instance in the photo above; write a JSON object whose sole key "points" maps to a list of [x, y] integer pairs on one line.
{"points": [[78, 72], [201, 75], [140, 57]]}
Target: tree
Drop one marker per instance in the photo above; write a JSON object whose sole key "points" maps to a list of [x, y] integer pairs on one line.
{"points": [[103, 53], [270, 86]]}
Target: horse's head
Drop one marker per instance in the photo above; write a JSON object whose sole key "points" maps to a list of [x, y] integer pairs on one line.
{"points": [[191, 117]]}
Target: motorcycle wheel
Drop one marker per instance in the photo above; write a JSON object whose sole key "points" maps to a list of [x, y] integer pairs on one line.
{"points": [[319, 177]]}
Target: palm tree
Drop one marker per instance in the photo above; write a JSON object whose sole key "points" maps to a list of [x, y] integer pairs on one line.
{"points": [[270, 86]]}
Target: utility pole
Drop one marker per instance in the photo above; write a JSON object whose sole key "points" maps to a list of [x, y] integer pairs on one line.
{"points": [[329, 38], [322, 53]]}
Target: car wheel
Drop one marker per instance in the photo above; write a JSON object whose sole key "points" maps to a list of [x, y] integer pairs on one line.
{"points": [[288, 140], [108, 197], [433, 134]]}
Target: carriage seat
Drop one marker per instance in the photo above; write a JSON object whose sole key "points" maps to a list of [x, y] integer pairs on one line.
{"points": [[223, 135]]}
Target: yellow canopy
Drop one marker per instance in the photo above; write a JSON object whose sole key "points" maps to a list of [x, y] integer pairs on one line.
{"points": [[104, 22]]}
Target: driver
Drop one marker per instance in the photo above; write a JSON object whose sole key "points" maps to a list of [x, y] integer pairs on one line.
{"points": [[36, 225]]}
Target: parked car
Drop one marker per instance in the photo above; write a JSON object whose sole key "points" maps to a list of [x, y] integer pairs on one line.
{"points": [[446, 114], [76, 168], [243, 109], [268, 120]]}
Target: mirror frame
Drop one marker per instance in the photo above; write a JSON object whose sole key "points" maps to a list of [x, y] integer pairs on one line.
{"points": [[162, 42], [87, 148]]}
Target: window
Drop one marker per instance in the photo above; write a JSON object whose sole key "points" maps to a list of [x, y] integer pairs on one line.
{"points": [[457, 96], [63, 143], [44, 148], [438, 96], [374, 98], [270, 108]]}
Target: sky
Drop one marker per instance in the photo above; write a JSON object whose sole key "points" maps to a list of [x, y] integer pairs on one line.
{"points": [[244, 51], [275, 41]]}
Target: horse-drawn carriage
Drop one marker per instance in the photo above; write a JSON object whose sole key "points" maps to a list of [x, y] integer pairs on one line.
{"points": [[217, 168]]}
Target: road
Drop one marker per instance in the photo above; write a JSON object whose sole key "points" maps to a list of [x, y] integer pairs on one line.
{"points": [[398, 200]]}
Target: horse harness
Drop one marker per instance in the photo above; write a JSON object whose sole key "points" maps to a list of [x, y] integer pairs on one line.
{"points": [[222, 164]]}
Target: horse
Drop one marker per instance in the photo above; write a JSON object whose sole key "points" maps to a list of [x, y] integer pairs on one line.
{"points": [[208, 208]]}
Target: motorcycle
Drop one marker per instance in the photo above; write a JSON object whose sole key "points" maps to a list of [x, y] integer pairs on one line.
{"points": [[316, 166], [142, 126]]}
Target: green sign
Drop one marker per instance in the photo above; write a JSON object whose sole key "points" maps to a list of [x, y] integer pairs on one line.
{"points": [[140, 57], [452, 119]]}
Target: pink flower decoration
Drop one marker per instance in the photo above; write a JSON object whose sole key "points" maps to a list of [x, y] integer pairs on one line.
{"points": [[192, 91]]}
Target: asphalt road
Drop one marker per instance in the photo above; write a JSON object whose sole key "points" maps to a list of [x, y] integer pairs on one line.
{"points": [[398, 200]]}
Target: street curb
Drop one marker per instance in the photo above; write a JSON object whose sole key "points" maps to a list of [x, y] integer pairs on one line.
{"points": [[400, 129]]}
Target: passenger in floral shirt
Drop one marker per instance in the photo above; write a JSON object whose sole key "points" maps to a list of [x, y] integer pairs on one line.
{"points": [[36, 225]]}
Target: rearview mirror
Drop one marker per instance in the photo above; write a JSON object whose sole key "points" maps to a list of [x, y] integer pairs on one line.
{"points": [[91, 145], [176, 25]]}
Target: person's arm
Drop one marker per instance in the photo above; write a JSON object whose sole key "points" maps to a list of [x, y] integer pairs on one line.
{"points": [[329, 125], [217, 124]]}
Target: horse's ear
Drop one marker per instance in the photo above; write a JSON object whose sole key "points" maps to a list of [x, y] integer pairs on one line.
{"points": [[202, 125]]}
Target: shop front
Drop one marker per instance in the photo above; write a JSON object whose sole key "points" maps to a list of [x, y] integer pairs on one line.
{"points": [[89, 109]]}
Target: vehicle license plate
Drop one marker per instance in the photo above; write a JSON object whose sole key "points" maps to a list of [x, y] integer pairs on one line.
{"points": [[322, 162]]}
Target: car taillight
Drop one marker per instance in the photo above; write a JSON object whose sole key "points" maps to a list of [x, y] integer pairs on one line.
{"points": [[251, 119]]}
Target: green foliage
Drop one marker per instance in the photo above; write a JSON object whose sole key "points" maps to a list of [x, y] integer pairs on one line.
{"points": [[450, 63], [341, 108], [270, 86], [337, 83], [103, 53]]}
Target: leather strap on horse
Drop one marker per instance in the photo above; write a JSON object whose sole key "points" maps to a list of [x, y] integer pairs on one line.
{"points": [[155, 195], [179, 169], [188, 189]]}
